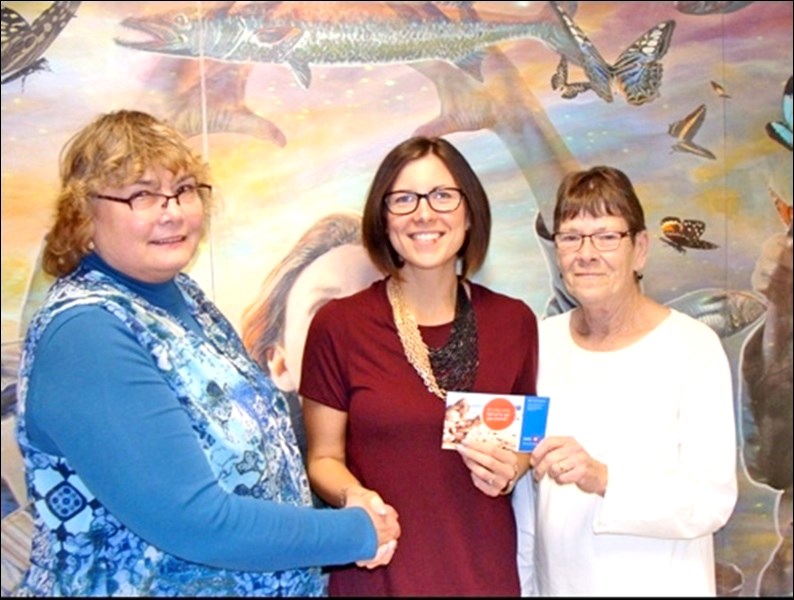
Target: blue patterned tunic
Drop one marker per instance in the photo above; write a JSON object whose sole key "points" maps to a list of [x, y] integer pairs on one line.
{"points": [[239, 419]]}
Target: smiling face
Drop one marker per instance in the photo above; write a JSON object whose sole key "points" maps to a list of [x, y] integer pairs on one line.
{"points": [[151, 245], [596, 277], [341, 271], [426, 239]]}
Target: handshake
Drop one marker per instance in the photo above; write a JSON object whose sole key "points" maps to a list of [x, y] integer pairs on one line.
{"points": [[384, 518]]}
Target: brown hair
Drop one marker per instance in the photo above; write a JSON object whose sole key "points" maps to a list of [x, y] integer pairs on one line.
{"points": [[114, 150], [597, 192], [376, 239], [265, 320]]}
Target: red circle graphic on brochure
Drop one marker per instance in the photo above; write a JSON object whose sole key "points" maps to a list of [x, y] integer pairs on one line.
{"points": [[499, 413]]}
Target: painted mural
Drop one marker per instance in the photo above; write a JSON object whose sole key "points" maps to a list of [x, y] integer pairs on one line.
{"points": [[294, 104]]}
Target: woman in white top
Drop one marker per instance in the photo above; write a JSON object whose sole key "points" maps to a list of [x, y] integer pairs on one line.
{"points": [[638, 467]]}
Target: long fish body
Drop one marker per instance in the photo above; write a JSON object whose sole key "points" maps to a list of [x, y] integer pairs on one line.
{"points": [[727, 312], [259, 36]]}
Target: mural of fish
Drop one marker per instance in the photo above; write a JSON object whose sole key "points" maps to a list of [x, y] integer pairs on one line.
{"points": [[210, 100], [466, 9], [682, 234], [686, 129], [780, 131], [24, 44], [727, 312], [637, 72], [709, 8], [267, 33]]}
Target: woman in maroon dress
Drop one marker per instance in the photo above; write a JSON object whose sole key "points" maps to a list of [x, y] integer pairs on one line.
{"points": [[376, 369]]}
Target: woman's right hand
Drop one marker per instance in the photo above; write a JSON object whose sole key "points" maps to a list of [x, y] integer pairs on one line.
{"points": [[382, 557], [384, 518]]}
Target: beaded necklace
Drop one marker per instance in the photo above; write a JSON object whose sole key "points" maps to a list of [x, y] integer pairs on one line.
{"points": [[453, 365]]}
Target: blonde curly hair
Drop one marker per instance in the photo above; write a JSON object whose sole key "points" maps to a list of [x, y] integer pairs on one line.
{"points": [[112, 151]]}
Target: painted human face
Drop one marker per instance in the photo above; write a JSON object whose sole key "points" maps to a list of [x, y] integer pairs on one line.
{"points": [[596, 277], [151, 245], [426, 239], [339, 272]]}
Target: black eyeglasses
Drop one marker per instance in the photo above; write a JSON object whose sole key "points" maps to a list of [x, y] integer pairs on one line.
{"points": [[186, 195], [441, 200], [603, 241]]}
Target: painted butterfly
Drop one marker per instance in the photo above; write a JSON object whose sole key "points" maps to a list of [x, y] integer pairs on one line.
{"points": [[780, 131], [637, 73], [719, 90], [784, 210], [681, 235], [685, 129], [559, 81], [24, 44]]}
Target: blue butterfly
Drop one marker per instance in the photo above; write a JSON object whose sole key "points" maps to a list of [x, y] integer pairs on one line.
{"points": [[780, 131], [637, 72]]}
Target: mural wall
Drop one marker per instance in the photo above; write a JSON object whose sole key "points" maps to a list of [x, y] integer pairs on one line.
{"points": [[294, 105]]}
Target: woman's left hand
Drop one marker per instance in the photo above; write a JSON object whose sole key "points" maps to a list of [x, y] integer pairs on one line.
{"points": [[565, 461], [494, 470]]}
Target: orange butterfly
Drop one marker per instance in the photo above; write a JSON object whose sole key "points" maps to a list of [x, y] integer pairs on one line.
{"points": [[681, 235], [783, 210]]}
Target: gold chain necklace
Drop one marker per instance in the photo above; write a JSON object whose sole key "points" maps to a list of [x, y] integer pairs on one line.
{"points": [[414, 346]]}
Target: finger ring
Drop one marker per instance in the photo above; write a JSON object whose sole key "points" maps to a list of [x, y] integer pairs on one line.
{"points": [[491, 482]]}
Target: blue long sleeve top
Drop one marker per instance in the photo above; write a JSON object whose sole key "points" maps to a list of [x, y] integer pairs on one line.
{"points": [[97, 398]]}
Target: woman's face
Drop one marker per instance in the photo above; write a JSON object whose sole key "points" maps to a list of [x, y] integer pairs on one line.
{"points": [[426, 239], [595, 276], [341, 271], [151, 245]]}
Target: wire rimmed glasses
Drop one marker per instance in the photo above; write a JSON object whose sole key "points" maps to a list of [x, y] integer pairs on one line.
{"points": [[440, 199], [186, 195], [603, 241]]}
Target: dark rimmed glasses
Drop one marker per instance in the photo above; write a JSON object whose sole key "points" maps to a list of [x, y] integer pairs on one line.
{"points": [[603, 241], [186, 195], [440, 199]]}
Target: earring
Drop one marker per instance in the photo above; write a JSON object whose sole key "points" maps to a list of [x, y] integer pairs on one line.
{"points": [[638, 276], [90, 245]]}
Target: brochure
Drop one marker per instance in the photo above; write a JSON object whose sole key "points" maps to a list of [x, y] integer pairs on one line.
{"points": [[517, 422]]}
